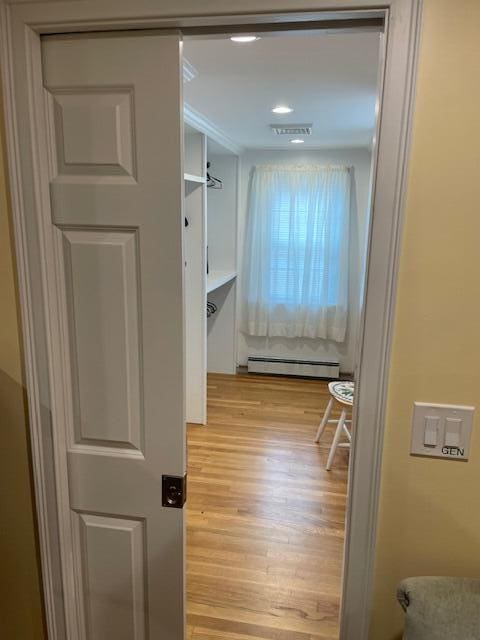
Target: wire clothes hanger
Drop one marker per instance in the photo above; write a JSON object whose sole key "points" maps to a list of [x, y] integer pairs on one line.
{"points": [[212, 182], [211, 308]]}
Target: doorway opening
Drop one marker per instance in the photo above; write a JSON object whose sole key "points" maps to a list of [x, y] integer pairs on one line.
{"points": [[98, 218], [279, 156]]}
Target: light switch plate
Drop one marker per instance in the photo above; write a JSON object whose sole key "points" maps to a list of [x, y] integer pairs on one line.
{"points": [[441, 430]]}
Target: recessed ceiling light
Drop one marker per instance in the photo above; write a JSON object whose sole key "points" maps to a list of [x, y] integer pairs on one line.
{"points": [[282, 109], [297, 141], [244, 39]]}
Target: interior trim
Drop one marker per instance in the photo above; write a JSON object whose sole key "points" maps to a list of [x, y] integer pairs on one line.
{"points": [[200, 122]]}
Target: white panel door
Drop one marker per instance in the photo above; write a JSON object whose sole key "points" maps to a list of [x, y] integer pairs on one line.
{"points": [[115, 108]]}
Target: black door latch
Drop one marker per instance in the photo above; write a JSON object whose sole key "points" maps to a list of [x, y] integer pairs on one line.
{"points": [[174, 491]]}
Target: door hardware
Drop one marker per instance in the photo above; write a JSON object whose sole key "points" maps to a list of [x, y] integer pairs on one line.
{"points": [[174, 491]]}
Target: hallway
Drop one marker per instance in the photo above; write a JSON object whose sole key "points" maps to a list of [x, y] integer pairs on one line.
{"points": [[265, 520]]}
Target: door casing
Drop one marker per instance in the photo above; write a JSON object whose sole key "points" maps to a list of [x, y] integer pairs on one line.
{"points": [[22, 25]]}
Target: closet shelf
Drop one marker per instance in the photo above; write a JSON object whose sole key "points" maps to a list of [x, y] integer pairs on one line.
{"points": [[190, 177], [216, 279]]}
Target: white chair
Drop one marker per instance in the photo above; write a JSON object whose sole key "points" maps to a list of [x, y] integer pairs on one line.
{"points": [[341, 392]]}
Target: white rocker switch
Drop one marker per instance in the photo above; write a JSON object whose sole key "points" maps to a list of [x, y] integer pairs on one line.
{"points": [[441, 430], [430, 438], [453, 429]]}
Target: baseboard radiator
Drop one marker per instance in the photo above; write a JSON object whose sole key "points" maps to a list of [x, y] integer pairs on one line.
{"points": [[293, 367]]}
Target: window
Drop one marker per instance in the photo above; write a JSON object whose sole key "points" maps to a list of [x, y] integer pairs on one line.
{"points": [[296, 260]]}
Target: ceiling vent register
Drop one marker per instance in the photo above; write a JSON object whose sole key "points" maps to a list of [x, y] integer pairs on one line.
{"points": [[292, 129]]}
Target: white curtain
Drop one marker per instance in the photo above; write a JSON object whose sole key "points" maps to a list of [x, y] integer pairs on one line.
{"points": [[296, 253]]}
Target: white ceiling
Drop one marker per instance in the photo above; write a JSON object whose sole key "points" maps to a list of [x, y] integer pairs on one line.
{"points": [[329, 79]]}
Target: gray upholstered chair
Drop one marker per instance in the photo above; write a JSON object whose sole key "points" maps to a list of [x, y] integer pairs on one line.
{"points": [[440, 608]]}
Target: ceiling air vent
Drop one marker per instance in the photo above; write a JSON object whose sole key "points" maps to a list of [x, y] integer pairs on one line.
{"points": [[292, 129]]}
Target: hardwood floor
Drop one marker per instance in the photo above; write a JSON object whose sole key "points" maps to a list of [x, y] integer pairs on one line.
{"points": [[265, 520]]}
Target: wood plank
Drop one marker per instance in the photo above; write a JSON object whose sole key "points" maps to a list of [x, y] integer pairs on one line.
{"points": [[265, 521]]}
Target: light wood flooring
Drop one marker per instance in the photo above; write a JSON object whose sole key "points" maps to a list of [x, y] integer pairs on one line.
{"points": [[265, 520]]}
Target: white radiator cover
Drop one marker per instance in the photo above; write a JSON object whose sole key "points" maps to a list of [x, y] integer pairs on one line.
{"points": [[293, 367]]}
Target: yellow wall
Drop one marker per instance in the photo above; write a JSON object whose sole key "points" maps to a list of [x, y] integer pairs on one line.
{"points": [[20, 603], [429, 512]]}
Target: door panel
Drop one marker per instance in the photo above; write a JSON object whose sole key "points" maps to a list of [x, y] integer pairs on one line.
{"points": [[104, 330], [117, 197], [113, 558], [106, 115]]}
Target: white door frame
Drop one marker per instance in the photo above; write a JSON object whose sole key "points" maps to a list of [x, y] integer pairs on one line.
{"points": [[27, 149]]}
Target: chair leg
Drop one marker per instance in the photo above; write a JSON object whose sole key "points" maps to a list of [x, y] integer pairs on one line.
{"points": [[336, 439], [323, 423]]}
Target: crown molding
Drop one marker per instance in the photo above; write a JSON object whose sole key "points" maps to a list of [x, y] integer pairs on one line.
{"points": [[198, 121]]}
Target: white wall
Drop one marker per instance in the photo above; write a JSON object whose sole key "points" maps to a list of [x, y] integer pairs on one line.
{"points": [[222, 255], [360, 159], [222, 213]]}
